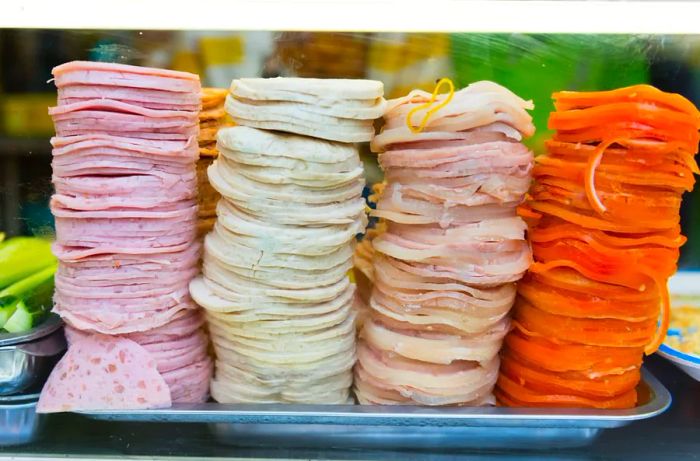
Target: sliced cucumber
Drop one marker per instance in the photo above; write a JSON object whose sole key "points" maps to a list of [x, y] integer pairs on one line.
{"points": [[8, 305], [23, 318], [35, 295]]}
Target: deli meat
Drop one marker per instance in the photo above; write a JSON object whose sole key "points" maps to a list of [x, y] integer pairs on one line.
{"points": [[104, 373], [125, 76], [125, 207], [150, 99], [279, 303], [450, 248]]}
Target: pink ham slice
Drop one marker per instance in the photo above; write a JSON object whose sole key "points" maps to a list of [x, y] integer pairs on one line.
{"points": [[399, 139], [126, 275], [508, 273], [136, 126], [423, 382], [438, 320], [95, 298], [104, 373], [134, 191], [479, 104], [108, 107], [170, 149], [150, 198], [369, 391], [110, 323], [76, 228], [131, 267], [459, 161], [169, 355], [434, 347], [428, 154], [110, 244], [151, 99], [457, 170], [395, 207], [480, 190], [449, 305], [181, 325], [488, 230], [153, 135], [467, 253], [94, 277], [68, 253], [184, 325], [456, 118], [131, 289], [124, 75], [446, 303], [190, 384], [144, 104], [114, 117], [115, 166], [80, 122], [388, 271], [182, 210]]}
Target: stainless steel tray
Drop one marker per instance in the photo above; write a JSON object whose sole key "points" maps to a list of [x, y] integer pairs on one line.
{"points": [[404, 427]]}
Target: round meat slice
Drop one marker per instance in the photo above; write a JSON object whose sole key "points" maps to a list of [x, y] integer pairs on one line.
{"points": [[104, 373]]}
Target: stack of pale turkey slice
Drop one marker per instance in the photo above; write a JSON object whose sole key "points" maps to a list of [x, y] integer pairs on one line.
{"points": [[126, 215], [333, 109], [275, 287], [212, 117], [444, 269]]}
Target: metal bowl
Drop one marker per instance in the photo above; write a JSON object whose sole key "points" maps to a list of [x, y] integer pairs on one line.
{"points": [[19, 420], [52, 323], [26, 359]]}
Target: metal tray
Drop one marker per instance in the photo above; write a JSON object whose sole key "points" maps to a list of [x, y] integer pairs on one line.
{"points": [[359, 426]]}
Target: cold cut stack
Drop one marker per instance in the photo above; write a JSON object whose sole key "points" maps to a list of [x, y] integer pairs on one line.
{"points": [[126, 215], [275, 284], [446, 266], [212, 117], [604, 225]]}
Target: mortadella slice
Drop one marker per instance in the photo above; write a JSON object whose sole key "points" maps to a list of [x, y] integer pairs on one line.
{"points": [[104, 373]]}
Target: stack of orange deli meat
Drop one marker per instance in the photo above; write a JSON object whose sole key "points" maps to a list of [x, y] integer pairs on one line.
{"points": [[446, 266], [604, 227], [212, 117]]}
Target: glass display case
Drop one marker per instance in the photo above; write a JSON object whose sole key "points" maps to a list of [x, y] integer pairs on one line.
{"points": [[274, 107]]}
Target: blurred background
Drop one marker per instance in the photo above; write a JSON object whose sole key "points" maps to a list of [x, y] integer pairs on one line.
{"points": [[533, 66]]}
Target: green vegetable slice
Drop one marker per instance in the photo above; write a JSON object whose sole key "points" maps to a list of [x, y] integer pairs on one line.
{"points": [[21, 257]]}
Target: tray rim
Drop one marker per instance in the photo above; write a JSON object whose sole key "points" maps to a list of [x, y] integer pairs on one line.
{"points": [[367, 415]]}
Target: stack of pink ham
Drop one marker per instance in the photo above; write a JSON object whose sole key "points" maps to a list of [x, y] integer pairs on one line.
{"points": [[126, 215], [446, 267]]}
